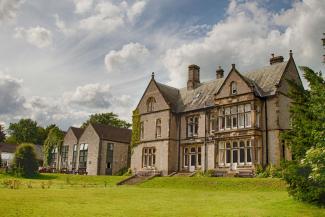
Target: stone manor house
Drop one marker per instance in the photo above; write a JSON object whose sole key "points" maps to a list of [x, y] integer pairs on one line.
{"points": [[228, 124]]}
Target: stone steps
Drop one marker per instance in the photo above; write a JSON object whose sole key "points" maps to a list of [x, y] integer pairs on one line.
{"points": [[135, 179]]}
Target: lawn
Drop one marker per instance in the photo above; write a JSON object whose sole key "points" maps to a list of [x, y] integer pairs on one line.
{"points": [[69, 195]]}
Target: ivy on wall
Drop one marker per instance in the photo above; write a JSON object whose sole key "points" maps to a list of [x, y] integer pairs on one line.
{"points": [[53, 140], [135, 128]]}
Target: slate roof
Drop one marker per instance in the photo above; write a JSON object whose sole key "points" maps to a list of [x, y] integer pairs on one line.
{"points": [[8, 148], [267, 78], [77, 131], [111, 133], [264, 81]]}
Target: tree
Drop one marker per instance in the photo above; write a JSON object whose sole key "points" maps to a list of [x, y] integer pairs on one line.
{"points": [[108, 119], [25, 162], [2, 134], [306, 175], [54, 140], [25, 131]]}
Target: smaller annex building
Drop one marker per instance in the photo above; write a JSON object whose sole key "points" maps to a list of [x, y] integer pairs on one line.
{"points": [[7, 152], [96, 150]]}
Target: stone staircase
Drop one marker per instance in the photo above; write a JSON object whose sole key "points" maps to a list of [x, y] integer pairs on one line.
{"points": [[136, 179]]}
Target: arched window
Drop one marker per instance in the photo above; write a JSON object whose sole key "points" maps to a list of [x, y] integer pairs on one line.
{"points": [[150, 104], [233, 88], [158, 128]]}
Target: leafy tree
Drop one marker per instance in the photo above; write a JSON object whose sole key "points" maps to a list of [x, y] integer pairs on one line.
{"points": [[108, 119], [54, 140], [25, 162], [25, 130], [2, 134], [306, 175]]}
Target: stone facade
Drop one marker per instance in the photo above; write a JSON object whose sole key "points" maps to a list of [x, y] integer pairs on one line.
{"points": [[95, 150], [230, 123]]}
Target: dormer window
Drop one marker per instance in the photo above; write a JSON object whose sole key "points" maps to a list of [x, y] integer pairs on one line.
{"points": [[233, 87], [150, 104]]}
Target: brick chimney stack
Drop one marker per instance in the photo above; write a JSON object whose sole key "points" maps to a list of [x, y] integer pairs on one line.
{"points": [[276, 59], [193, 77], [219, 72]]}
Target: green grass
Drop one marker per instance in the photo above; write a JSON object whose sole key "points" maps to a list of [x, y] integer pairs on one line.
{"points": [[70, 195]]}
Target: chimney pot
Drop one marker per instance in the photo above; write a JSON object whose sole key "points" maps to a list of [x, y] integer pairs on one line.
{"points": [[276, 59], [219, 72], [233, 65]]}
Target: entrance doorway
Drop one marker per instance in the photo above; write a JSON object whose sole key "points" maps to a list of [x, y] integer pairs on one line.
{"points": [[192, 158]]}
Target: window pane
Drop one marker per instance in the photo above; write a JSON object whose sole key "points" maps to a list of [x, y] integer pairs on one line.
{"points": [[235, 156], [199, 159], [228, 156], [241, 108], [249, 157], [234, 110], [248, 119], [241, 120], [186, 160], [247, 107], [228, 121], [227, 111], [242, 155], [234, 121], [221, 123]]}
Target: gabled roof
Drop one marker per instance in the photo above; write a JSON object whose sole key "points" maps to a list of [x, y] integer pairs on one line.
{"points": [[200, 97], [267, 78], [77, 131], [264, 82], [170, 94], [111, 133]]}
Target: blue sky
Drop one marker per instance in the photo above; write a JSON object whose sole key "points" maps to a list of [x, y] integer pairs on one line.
{"points": [[63, 60]]}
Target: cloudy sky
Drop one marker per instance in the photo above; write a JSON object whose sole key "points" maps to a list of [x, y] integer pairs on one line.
{"points": [[63, 60]]}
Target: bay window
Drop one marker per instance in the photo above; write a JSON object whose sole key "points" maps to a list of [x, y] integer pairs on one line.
{"points": [[235, 117], [235, 152]]}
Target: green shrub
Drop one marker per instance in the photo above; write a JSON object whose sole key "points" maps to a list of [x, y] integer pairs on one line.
{"points": [[306, 178], [25, 163]]}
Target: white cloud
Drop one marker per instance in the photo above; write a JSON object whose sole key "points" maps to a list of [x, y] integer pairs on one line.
{"points": [[60, 24], [108, 17], [82, 6], [10, 97], [8, 9], [130, 58], [247, 37], [91, 96], [135, 10], [37, 36]]}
